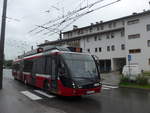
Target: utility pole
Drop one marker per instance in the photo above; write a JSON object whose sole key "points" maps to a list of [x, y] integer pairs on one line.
{"points": [[2, 40]]}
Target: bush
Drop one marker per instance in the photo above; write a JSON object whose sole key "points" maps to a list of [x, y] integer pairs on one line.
{"points": [[146, 73], [141, 80], [124, 79]]}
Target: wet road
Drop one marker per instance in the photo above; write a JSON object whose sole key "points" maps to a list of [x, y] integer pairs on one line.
{"points": [[111, 100]]}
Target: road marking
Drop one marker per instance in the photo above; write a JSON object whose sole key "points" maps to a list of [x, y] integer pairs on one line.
{"points": [[105, 88], [31, 95], [45, 94], [110, 86]]}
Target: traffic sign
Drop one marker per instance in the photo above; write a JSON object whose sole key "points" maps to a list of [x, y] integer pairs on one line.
{"points": [[129, 57]]}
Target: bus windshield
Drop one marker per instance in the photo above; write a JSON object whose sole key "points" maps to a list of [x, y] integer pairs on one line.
{"points": [[81, 66]]}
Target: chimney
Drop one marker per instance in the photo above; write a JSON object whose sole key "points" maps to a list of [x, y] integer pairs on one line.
{"points": [[134, 13], [75, 27], [46, 41], [101, 21], [92, 24]]}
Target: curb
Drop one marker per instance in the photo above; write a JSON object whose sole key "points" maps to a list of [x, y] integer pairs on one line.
{"points": [[109, 84], [134, 88]]}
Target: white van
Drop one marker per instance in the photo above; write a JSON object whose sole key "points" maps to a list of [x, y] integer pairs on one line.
{"points": [[132, 71]]}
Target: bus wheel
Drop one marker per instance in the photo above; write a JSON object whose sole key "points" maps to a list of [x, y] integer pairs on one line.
{"points": [[25, 82], [46, 85], [15, 78]]}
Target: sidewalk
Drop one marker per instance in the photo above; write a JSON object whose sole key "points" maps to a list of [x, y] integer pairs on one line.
{"points": [[111, 78], [12, 101]]}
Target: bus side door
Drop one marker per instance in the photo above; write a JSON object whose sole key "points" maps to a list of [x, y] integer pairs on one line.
{"points": [[54, 75]]}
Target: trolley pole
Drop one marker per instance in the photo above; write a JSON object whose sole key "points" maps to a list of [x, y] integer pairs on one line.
{"points": [[2, 40]]}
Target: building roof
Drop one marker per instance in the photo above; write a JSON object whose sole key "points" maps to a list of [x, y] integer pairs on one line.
{"points": [[79, 37], [122, 18], [59, 41]]}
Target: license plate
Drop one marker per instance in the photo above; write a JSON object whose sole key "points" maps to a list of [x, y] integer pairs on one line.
{"points": [[90, 92]]}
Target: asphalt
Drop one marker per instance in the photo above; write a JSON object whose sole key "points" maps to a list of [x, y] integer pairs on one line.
{"points": [[112, 78], [110, 100]]}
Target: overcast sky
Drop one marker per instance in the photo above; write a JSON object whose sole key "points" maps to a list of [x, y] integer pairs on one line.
{"points": [[24, 15]]}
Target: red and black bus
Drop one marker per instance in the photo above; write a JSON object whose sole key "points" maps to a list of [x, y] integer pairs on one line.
{"points": [[59, 70]]}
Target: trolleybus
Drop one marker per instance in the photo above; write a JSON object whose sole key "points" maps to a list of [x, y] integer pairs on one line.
{"points": [[59, 70]]}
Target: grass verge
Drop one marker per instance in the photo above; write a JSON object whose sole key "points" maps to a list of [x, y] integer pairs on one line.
{"points": [[146, 73], [134, 85]]}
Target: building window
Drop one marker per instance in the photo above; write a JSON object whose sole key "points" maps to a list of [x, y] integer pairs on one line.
{"points": [[112, 35], [113, 48], [148, 27], [122, 46], [87, 39], [133, 36], [69, 34], [148, 43], [91, 29], [88, 50], [95, 38], [134, 51], [107, 36], [86, 30], [97, 28], [102, 27], [133, 22], [114, 24], [122, 33], [108, 48], [80, 32], [100, 49], [123, 23], [110, 25], [149, 61], [99, 38], [95, 49]]}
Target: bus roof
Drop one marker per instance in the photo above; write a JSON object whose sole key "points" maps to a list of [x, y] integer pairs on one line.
{"points": [[46, 51]]}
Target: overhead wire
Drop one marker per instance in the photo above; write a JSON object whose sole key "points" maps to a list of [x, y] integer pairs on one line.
{"points": [[85, 13], [70, 13]]}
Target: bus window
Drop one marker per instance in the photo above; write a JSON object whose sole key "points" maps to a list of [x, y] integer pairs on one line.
{"points": [[39, 66], [61, 69], [48, 67], [28, 66], [16, 67], [53, 68]]}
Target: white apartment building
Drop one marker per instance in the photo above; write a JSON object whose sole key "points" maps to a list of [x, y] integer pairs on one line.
{"points": [[114, 40]]}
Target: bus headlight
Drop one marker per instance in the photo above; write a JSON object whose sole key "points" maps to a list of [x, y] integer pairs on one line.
{"points": [[79, 86], [73, 84], [76, 86]]}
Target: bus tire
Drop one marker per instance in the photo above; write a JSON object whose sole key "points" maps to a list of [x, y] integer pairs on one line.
{"points": [[15, 78], [25, 81]]}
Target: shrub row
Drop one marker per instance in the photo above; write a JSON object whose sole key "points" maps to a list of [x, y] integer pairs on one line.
{"points": [[140, 80]]}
